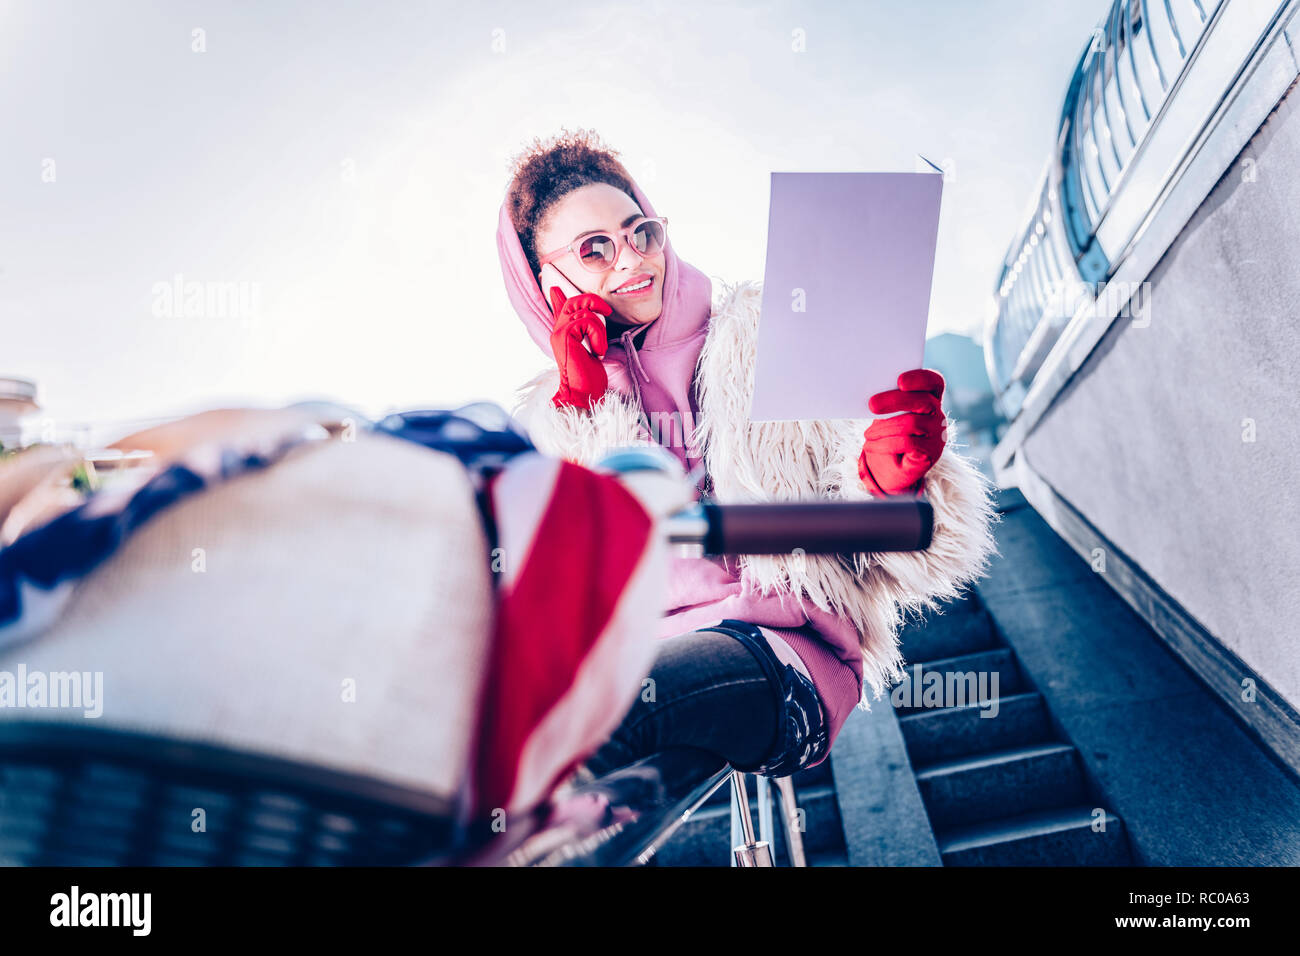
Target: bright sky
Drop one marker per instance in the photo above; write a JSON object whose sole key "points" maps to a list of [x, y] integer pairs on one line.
{"points": [[345, 161]]}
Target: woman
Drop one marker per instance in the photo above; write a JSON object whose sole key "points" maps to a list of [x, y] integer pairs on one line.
{"points": [[763, 657]]}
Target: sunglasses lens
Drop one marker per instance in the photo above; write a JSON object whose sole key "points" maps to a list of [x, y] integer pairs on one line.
{"points": [[597, 252], [648, 238]]}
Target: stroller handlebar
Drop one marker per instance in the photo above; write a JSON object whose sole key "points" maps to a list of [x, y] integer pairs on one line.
{"points": [[813, 527]]}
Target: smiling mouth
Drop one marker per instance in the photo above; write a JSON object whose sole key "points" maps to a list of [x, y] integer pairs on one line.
{"points": [[637, 288]]}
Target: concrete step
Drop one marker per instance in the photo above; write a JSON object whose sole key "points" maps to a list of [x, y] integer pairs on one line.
{"points": [[705, 839], [961, 629], [1059, 837], [977, 674], [1005, 783], [817, 776], [944, 734], [834, 858]]}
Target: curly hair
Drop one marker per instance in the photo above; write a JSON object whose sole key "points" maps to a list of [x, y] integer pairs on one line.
{"points": [[546, 171]]}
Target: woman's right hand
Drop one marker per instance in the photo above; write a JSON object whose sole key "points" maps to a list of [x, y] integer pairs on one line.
{"points": [[582, 376]]}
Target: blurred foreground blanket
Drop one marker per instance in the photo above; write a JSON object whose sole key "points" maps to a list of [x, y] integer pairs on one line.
{"points": [[576, 581], [581, 582]]}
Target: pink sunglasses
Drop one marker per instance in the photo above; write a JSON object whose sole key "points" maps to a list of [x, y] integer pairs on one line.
{"points": [[598, 251]]}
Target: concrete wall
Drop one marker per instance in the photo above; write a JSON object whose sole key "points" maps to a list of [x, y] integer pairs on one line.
{"points": [[1147, 439]]}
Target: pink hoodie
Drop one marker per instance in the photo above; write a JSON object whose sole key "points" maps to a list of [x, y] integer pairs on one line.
{"points": [[661, 374]]}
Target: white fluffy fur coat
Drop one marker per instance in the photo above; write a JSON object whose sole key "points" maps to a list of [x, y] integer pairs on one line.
{"points": [[771, 461]]}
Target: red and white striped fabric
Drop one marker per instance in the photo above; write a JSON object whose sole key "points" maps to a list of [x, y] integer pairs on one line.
{"points": [[581, 590]]}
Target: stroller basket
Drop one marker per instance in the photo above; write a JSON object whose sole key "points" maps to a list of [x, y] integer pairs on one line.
{"points": [[73, 796]]}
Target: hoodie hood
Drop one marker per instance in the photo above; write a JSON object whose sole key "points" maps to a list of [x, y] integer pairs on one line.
{"points": [[659, 373]]}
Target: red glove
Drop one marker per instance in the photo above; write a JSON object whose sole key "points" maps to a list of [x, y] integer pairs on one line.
{"points": [[899, 451], [582, 376]]}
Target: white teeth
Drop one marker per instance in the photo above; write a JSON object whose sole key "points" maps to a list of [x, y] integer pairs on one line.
{"points": [[633, 288]]}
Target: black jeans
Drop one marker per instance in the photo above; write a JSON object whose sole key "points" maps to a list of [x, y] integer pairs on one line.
{"points": [[723, 690]]}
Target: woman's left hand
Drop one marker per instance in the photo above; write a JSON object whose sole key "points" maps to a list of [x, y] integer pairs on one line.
{"points": [[899, 451]]}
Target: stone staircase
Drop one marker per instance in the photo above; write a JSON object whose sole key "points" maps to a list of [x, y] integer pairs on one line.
{"points": [[1003, 789]]}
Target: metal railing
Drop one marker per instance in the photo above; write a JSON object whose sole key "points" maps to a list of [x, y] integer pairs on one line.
{"points": [[1119, 90], [1132, 63]]}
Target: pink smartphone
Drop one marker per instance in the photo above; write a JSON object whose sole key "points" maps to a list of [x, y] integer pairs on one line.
{"points": [[550, 277]]}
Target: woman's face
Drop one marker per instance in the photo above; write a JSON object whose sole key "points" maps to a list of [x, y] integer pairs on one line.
{"points": [[600, 207]]}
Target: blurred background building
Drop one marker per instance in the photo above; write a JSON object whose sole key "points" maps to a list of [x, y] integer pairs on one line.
{"points": [[17, 404], [968, 397]]}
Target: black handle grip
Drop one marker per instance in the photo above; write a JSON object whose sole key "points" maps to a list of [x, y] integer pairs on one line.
{"points": [[820, 527]]}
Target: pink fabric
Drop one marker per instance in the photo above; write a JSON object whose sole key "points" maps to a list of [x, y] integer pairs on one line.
{"points": [[661, 374], [568, 650]]}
